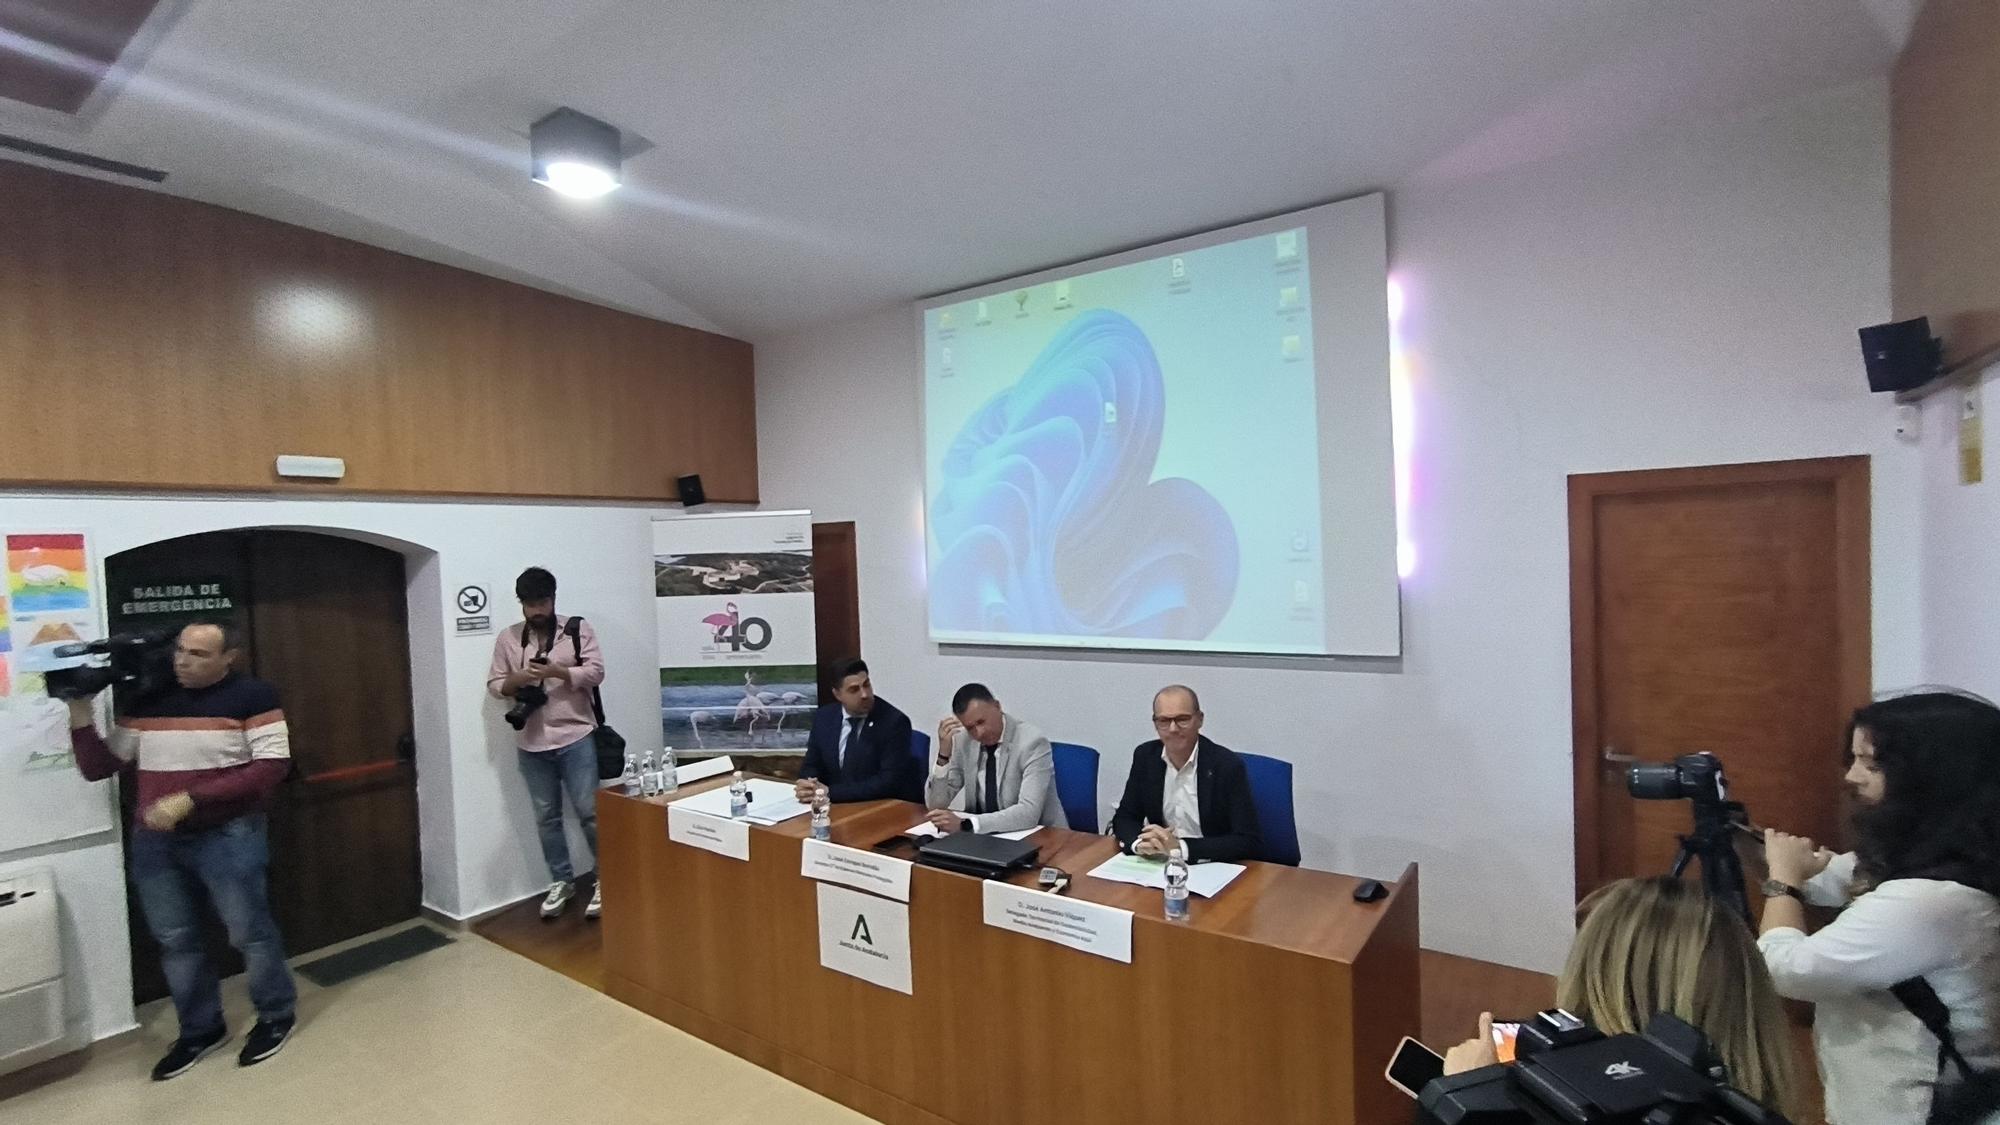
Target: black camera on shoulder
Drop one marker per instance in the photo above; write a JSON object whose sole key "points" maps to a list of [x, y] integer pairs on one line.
{"points": [[141, 661], [528, 699], [1569, 1073]]}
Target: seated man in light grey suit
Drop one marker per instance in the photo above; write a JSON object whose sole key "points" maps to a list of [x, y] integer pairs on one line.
{"points": [[993, 773]]}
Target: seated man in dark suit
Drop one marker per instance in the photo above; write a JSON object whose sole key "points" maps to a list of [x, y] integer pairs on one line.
{"points": [[859, 748], [1185, 791]]}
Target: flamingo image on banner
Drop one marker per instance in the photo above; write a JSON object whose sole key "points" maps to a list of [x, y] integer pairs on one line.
{"points": [[738, 659]]}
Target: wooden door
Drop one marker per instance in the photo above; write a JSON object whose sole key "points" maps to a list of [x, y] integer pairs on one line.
{"points": [[1721, 608], [328, 623], [323, 619], [836, 599]]}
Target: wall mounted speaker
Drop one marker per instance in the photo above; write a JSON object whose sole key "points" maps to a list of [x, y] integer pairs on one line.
{"points": [[1901, 356], [691, 493]]}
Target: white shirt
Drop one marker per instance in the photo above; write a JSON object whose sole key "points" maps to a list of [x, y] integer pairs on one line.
{"points": [[1877, 1061], [1180, 800]]}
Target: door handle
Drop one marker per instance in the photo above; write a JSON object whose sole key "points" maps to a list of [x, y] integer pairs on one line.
{"points": [[1613, 758]]}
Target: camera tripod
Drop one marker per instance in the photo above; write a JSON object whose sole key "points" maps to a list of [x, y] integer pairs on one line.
{"points": [[1713, 843]]}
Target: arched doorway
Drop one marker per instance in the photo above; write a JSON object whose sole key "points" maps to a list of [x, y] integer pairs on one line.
{"points": [[324, 618]]}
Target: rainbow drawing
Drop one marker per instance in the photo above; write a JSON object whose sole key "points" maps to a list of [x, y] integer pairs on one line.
{"points": [[47, 573]]}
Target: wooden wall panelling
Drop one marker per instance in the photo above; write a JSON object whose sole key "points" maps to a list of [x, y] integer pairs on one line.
{"points": [[191, 345], [1944, 224]]}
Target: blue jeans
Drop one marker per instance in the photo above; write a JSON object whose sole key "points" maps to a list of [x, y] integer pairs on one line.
{"points": [[171, 870], [550, 772]]}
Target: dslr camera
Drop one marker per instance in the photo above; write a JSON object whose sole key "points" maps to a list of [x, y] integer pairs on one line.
{"points": [[142, 661], [528, 699], [1698, 777], [1569, 1073]]}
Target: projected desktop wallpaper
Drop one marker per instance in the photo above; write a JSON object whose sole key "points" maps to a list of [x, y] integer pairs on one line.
{"points": [[1130, 458]]}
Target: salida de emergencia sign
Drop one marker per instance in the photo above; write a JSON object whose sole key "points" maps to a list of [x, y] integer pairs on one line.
{"points": [[175, 598]]}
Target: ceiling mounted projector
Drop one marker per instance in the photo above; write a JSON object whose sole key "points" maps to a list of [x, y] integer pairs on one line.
{"points": [[575, 154]]}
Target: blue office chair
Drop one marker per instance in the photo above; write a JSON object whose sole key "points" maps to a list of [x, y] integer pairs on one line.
{"points": [[1076, 784], [920, 749], [1271, 792]]}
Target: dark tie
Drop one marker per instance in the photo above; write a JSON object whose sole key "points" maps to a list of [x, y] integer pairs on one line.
{"points": [[991, 755], [853, 734]]}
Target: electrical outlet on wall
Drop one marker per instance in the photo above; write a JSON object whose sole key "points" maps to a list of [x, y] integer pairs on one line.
{"points": [[1910, 422]]}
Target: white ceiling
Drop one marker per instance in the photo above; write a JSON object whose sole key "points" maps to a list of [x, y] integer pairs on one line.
{"points": [[812, 160]]}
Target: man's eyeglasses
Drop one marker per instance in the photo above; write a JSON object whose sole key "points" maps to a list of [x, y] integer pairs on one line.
{"points": [[1173, 722]]}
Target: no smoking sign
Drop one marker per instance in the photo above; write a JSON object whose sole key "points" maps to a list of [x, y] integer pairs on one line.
{"points": [[473, 618]]}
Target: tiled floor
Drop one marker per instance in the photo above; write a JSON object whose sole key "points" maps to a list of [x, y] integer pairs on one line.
{"points": [[470, 1032]]}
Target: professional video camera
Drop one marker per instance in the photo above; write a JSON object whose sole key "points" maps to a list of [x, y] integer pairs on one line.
{"points": [[1698, 777], [142, 660], [1569, 1073]]}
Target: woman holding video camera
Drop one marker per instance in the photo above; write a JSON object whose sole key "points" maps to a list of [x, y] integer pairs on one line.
{"points": [[1645, 946], [1919, 893]]}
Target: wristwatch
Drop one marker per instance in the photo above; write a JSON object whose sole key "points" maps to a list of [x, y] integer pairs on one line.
{"points": [[964, 825], [1772, 888]]}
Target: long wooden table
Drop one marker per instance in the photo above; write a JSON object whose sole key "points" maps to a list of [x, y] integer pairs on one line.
{"points": [[1279, 1000]]}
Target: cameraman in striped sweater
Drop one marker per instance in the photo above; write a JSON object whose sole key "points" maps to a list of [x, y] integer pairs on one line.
{"points": [[205, 757]]}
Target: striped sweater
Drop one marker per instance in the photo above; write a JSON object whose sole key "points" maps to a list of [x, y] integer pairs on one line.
{"points": [[224, 745]]}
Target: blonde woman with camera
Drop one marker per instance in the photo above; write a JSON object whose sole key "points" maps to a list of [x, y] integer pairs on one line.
{"points": [[1646, 946]]}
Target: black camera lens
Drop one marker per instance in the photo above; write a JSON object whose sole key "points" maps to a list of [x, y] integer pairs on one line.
{"points": [[1655, 782], [527, 701]]}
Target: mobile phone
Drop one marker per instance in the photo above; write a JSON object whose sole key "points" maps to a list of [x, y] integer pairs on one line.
{"points": [[1413, 1067], [1504, 1035]]}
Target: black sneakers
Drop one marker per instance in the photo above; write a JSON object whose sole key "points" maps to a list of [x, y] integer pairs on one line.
{"points": [[265, 1039], [186, 1053]]}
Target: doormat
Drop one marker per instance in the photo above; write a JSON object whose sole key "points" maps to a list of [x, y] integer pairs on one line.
{"points": [[369, 956]]}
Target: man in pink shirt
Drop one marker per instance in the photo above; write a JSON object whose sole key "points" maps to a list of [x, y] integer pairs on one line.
{"points": [[546, 667]]}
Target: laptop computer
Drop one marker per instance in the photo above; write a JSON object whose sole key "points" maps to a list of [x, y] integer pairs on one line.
{"points": [[970, 853]]}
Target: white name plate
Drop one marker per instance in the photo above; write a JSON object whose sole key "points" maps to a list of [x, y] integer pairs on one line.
{"points": [[866, 937], [709, 833], [1103, 930], [852, 867], [701, 771]]}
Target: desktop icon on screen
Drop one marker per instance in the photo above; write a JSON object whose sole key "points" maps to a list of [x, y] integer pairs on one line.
{"points": [[1291, 347], [1021, 299], [1177, 269], [1062, 295], [983, 316], [944, 319], [1288, 245], [1288, 297]]}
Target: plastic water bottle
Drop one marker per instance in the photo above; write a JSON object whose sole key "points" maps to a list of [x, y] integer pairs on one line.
{"points": [[739, 796], [670, 776], [1177, 891], [629, 780], [649, 781], [822, 819]]}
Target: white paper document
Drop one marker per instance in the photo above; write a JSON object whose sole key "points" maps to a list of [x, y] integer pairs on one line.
{"points": [[776, 812], [770, 802], [929, 829], [1204, 879]]}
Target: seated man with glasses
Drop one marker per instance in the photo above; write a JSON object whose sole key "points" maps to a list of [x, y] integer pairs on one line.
{"points": [[1185, 791]]}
